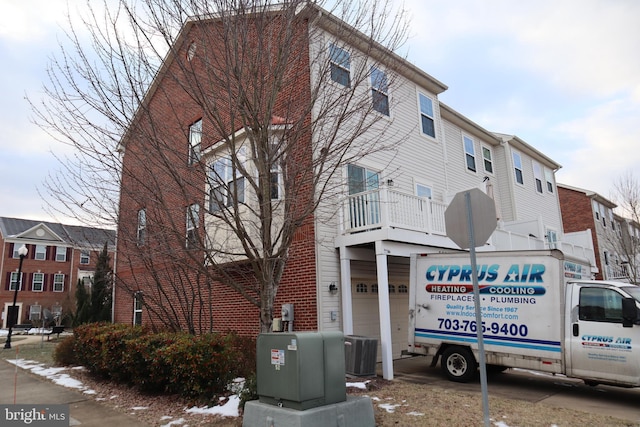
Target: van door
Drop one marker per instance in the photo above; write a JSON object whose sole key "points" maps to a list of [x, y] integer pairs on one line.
{"points": [[600, 347]]}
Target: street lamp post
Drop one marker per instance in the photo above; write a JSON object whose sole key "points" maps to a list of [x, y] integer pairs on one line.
{"points": [[22, 252]]}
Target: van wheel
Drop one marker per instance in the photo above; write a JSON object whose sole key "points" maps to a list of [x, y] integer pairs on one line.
{"points": [[591, 383], [458, 364]]}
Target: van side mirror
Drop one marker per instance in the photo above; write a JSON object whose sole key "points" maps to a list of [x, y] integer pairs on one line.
{"points": [[629, 312]]}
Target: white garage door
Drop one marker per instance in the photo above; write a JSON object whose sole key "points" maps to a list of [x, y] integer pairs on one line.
{"points": [[366, 316]]}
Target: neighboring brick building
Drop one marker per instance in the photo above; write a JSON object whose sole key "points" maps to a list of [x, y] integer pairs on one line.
{"points": [[588, 210], [58, 256]]}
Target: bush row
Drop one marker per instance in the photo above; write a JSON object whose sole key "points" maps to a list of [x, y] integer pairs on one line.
{"points": [[193, 366]]}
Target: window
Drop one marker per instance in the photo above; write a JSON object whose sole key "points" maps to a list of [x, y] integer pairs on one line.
{"points": [[141, 235], [548, 176], [552, 239], [193, 221], [340, 62], [426, 115], [379, 91], [517, 167], [13, 281], [58, 282], [403, 289], [596, 210], [37, 283], [41, 252], [361, 288], [600, 305], [16, 247], [424, 191], [537, 175], [469, 153], [364, 201], [195, 140], [225, 183], [487, 158], [137, 308], [34, 312], [84, 257], [61, 253], [603, 216], [276, 173]]}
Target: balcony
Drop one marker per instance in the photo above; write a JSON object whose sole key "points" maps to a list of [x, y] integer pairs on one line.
{"points": [[413, 219], [385, 208]]}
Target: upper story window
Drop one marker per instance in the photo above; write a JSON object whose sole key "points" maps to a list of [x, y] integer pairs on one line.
{"points": [[424, 191], [14, 282], [61, 253], [427, 120], [41, 252], [379, 91], [193, 222], [548, 176], [195, 141], [487, 158], [517, 167], [469, 153], [340, 62], [16, 248], [37, 284], [596, 209], [225, 184], [58, 282], [84, 257], [141, 232], [275, 174], [537, 176]]}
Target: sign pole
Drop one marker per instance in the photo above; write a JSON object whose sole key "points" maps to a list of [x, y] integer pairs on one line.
{"points": [[476, 295]]}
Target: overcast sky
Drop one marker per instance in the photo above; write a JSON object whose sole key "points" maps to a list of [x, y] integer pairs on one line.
{"points": [[562, 75]]}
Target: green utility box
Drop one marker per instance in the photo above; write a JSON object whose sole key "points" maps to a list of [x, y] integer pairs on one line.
{"points": [[301, 370]]}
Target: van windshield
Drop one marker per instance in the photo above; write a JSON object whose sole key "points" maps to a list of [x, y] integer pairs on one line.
{"points": [[634, 291]]}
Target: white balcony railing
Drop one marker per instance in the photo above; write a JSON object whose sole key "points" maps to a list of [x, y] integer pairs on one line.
{"points": [[385, 208]]}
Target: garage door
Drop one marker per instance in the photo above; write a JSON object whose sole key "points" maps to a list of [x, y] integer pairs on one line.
{"points": [[366, 317]]}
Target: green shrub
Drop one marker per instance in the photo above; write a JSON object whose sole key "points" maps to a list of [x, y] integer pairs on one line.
{"points": [[198, 367], [64, 354]]}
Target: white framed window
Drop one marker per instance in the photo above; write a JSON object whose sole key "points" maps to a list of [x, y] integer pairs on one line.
{"points": [[275, 175], [137, 308], [37, 283], [58, 282], [340, 63], [469, 153], [14, 282], [596, 209], [195, 141], [487, 159], [225, 183], [380, 91], [41, 252], [548, 176], [552, 238], [424, 191], [16, 247], [35, 312], [517, 167], [141, 232], [85, 257], [193, 222], [361, 288], [537, 176], [61, 253], [427, 118]]}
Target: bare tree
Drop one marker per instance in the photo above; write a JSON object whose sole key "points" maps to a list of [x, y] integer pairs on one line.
{"points": [[209, 131], [624, 238]]}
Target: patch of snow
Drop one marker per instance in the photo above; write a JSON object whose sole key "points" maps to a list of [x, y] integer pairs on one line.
{"points": [[229, 409], [140, 408], [361, 385], [391, 408], [414, 413], [177, 422]]}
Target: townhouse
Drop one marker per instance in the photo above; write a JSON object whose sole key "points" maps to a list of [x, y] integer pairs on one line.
{"points": [[348, 268], [57, 257], [614, 237]]}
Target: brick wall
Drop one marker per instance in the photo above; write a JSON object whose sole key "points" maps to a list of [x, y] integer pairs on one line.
{"points": [[156, 177], [577, 215]]}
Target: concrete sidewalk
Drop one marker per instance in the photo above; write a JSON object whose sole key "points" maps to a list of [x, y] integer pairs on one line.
{"points": [[33, 389]]}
